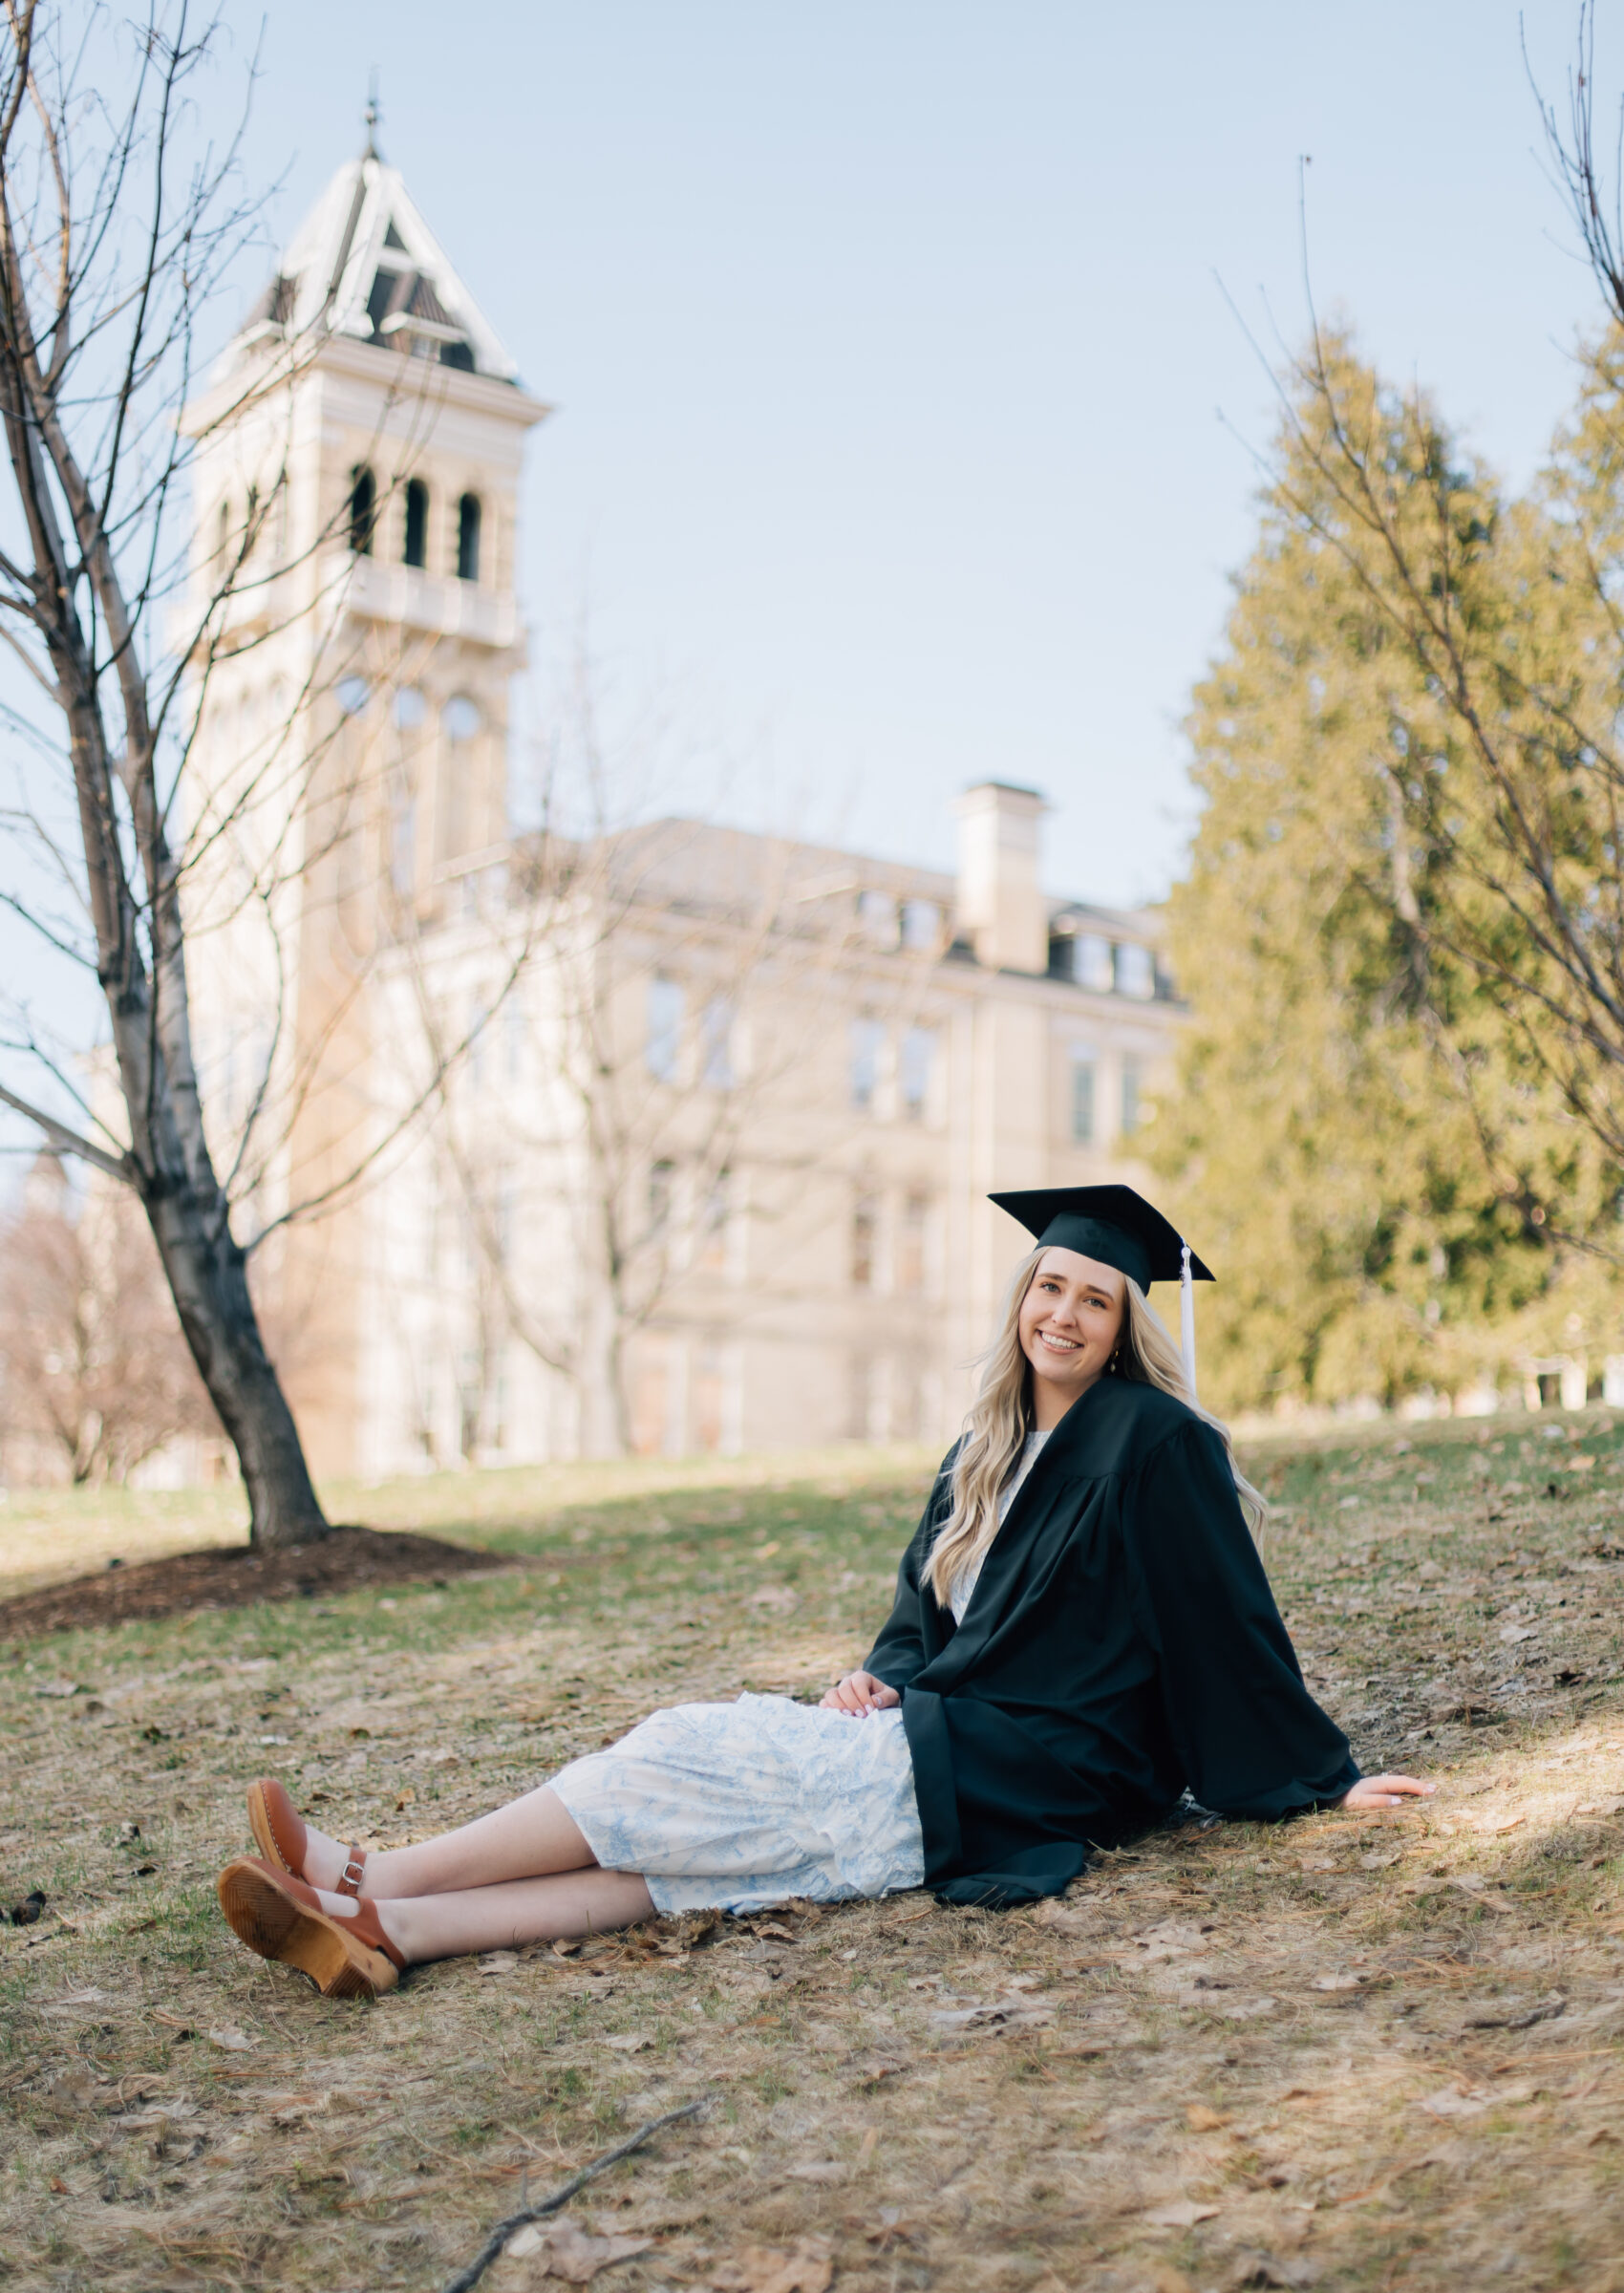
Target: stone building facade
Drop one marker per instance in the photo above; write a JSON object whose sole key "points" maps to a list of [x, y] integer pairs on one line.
{"points": [[675, 1139]]}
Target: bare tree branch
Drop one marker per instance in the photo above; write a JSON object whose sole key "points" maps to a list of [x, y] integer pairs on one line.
{"points": [[65, 1140]]}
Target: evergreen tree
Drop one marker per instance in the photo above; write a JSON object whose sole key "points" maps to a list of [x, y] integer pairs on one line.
{"points": [[1371, 1133]]}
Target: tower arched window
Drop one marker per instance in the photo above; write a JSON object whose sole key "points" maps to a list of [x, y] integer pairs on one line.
{"points": [[468, 519], [363, 510], [417, 522]]}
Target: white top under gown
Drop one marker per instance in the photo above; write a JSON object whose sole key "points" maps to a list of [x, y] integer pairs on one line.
{"points": [[732, 1806]]}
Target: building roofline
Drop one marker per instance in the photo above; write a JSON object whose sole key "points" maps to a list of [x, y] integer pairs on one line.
{"points": [[438, 386]]}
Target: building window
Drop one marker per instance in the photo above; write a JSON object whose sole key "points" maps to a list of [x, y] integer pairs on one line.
{"points": [[404, 838], [410, 709], [921, 926], [866, 1041], [716, 1044], [911, 1246], [877, 918], [363, 510], [1082, 1098], [1091, 963], [662, 1035], [1132, 1113], [873, 1385], [914, 1072], [417, 522], [864, 1235], [709, 1398], [479, 1020], [468, 538], [713, 1224], [1136, 972], [461, 717]]}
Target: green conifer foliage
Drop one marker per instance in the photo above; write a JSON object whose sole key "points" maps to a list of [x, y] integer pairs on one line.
{"points": [[1400, 1116]]}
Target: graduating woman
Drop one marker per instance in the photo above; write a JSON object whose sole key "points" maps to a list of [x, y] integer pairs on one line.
{"points": [[1083, 1631]]}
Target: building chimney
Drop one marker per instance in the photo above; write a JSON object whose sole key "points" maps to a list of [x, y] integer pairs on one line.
{"points": [[1000, 905]]}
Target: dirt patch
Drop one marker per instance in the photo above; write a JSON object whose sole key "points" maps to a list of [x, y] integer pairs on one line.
{"points": [[231, 1577]]}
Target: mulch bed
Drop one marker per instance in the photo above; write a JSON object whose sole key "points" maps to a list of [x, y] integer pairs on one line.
{"points": [[232, 1575]]}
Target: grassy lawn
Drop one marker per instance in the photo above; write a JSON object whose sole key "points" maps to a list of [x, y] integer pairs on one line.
{"points": [[1343, 2053]]}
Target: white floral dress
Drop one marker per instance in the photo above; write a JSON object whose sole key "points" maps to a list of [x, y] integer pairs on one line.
{"points": [[732, 1806]]}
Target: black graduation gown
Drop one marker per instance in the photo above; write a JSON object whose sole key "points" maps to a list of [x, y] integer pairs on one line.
{"points": [[1121, 1645]]}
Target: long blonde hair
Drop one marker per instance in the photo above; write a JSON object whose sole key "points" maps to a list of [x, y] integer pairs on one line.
{"points": [[995, 1432]]}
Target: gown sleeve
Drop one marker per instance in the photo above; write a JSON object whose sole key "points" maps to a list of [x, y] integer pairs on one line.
{"points": [[1252, 1741]]}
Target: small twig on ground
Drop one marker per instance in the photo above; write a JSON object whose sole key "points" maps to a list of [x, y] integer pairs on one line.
{"points": [[466, 2278]]}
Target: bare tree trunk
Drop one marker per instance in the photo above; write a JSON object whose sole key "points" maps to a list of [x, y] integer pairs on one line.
{"points": [[67, 584], [209, 1279], [605, 1421]]}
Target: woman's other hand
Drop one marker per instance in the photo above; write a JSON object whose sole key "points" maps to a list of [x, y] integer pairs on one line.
{"points": [[1384, 1792], [858, 1693]]}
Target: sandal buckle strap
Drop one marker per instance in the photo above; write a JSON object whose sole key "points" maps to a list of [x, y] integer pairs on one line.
{"points": [[350, 1882]]}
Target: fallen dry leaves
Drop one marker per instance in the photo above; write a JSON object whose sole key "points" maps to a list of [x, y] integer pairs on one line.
{"points": [[561, 2248], [807, 2268], [1183, 2212]]}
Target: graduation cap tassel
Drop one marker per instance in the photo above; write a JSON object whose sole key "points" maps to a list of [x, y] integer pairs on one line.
{"points": [[1186, 1316]]}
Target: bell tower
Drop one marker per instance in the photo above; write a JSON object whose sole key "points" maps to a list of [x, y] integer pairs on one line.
{"points": [[356, 463]]}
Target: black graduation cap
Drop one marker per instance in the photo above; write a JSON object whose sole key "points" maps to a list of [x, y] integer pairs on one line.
{"points": [[1112, 1224]]}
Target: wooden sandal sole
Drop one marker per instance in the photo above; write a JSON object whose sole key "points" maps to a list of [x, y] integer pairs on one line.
{"points": [[340, 1965]]}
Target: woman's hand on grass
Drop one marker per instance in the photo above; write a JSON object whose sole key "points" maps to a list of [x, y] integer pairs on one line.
{"points": [[1385, 1791], [858, 1693]]}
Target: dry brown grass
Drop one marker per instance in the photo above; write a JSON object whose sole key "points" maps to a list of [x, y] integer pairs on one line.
{"points": [[1233, 2055]]}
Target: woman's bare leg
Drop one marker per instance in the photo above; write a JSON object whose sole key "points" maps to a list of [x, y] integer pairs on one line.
{"points": [[503, 1916], [527, 1839]]}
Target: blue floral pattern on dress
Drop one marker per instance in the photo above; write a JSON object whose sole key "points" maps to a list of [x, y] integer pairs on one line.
{"points": [[734, 1807]]}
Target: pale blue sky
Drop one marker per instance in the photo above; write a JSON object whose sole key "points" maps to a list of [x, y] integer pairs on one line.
{"points": [[888, 349]]}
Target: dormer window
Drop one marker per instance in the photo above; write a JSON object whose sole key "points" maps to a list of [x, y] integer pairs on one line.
{"points": [[1092, 965], [1135, 971], [405, 314], [877, 918], [365, 275], [416, 550], [468, 518], [363, 509]]}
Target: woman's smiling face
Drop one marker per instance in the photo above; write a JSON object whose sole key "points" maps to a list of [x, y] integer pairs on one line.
{"points": [[1070, 1320]]}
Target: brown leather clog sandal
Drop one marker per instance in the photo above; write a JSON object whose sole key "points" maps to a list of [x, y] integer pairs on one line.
{"points": [[280, 1918], [280, 1835]]}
